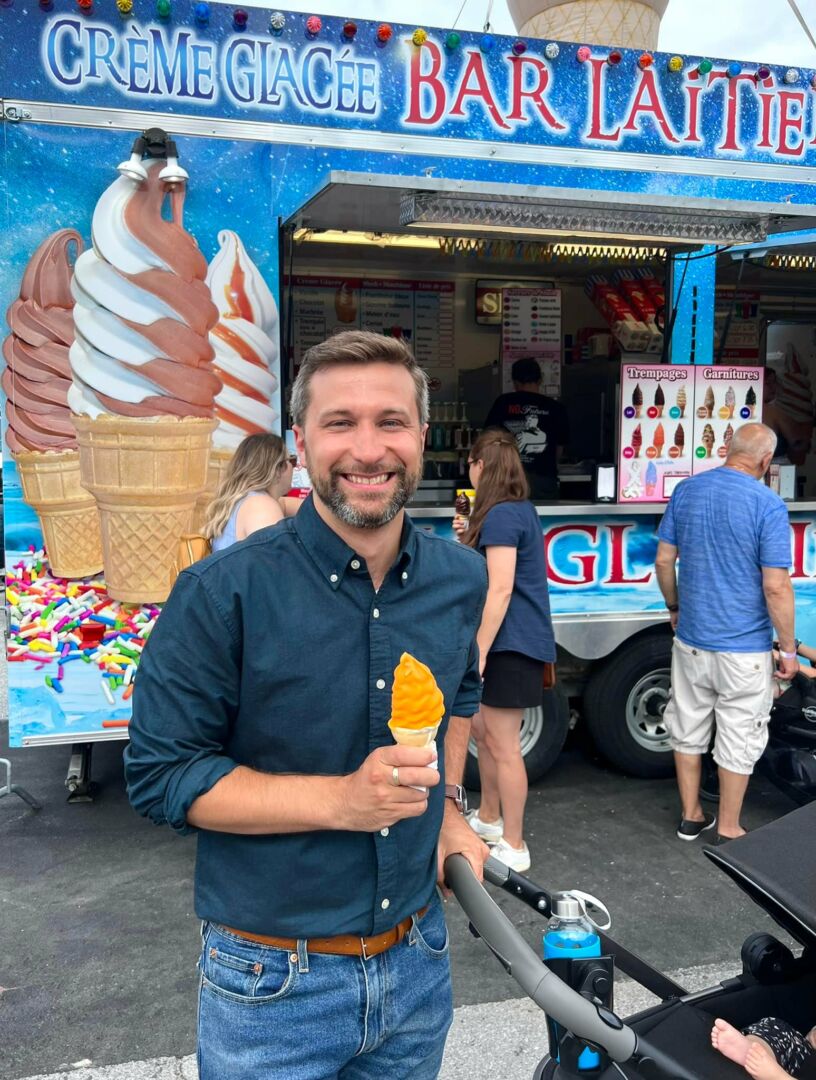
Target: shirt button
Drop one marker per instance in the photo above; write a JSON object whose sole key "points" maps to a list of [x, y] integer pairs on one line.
{"points": [[376, 613], [384, 832], [404, 575], [386, 904], [333, 577], [380, 684], [355, 564]]}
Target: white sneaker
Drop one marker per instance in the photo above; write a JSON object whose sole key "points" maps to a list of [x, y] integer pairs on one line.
{"points": [[517, 859], [490, 831]]}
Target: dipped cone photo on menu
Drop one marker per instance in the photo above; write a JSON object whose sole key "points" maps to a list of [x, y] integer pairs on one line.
{"points": [[417, 705], [39, 432], [143, 386]]}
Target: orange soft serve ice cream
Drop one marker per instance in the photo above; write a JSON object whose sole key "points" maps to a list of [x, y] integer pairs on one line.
{"points": [[417, 704]]}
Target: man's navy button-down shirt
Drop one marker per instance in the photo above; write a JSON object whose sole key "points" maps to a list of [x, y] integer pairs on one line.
{"points": [[278, 654]]}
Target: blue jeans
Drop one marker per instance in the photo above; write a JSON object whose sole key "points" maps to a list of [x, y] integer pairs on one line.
{"points": [[268, 1014]]}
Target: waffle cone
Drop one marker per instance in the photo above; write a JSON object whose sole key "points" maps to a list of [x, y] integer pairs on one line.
{"points": [[631, 23], [219, 460], [145, 474], [414, 736], [67, 512]]}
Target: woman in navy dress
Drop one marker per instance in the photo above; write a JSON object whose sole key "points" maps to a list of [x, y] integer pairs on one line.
{"points": [[515, 637]]}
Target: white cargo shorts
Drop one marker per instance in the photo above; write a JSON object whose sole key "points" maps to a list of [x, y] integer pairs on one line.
{"points": [[727, 693]]}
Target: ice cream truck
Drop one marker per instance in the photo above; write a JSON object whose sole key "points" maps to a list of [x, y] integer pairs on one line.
{"points": [[192, 195]]}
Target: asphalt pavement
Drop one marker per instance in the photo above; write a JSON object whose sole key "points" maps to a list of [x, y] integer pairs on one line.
{"points": [[99, 938]]}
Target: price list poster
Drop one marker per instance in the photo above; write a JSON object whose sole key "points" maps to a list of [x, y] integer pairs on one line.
{"points": [[421, 313], [322, 306], [434, 338], [531, 326]]}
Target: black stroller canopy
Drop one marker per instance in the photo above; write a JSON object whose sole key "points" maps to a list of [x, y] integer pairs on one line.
{"points": [[776, 867]]}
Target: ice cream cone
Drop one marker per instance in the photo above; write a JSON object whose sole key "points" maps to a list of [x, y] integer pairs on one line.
{"points": [[220, 457], [425, 736], [631, 23], [415, 700], [708, 439], [415, 736], [67, 512], [145, 474]]}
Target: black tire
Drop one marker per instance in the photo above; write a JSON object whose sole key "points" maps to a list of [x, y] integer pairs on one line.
{"points": [[543, 734], [623, 707]]}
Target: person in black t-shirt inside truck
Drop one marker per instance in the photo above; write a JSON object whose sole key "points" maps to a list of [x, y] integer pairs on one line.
{"points": [[538, 423]]}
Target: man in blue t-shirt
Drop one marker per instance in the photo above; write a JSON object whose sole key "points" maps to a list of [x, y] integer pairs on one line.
{"points": [[732, 536]]}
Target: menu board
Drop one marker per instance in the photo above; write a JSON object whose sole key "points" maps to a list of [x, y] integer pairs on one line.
{"points": [[742, 343], [655, 430], [421, 313], [531, 326], [678, 420], [725, 398]]}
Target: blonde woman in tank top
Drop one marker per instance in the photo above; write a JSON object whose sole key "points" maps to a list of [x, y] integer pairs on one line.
{"points": [[251, 495]]}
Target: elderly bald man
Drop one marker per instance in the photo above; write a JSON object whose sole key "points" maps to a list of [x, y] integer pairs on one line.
{"points": [[732, 536]]}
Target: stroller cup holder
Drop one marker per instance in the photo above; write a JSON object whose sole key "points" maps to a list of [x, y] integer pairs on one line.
{"points": [[593, 978], [581, 1013]]}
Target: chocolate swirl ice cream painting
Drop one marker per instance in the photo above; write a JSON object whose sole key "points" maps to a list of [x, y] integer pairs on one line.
{"points": [[245, 344], [144, 388], [39, 431]]}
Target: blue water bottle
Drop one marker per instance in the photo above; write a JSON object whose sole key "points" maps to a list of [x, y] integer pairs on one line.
{"points": [[570, 935]]}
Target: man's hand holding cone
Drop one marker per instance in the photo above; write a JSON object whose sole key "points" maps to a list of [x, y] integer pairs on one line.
{"points": [[393, 781]]}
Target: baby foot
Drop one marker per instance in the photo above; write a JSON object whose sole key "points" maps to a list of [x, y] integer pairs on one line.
{"points": [[761, 1064], [730, 1042]]}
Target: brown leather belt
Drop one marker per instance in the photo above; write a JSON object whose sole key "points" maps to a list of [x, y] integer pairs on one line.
{"points": [[342, 944]]}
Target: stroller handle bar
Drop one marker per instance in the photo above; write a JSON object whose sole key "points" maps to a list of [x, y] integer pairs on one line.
{"points": [[575, 1013]]}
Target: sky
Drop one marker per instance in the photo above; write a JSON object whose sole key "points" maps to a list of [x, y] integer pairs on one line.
{"points": [[758, 30]]}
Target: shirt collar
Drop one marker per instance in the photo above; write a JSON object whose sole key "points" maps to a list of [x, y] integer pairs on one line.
{"points": [[332, 555]]}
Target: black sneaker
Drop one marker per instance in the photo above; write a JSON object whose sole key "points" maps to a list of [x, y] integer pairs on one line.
{"points": [[690, 830]]}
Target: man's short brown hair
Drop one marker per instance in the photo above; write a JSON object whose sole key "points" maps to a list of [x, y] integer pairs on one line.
{"points": [[356, 347]]}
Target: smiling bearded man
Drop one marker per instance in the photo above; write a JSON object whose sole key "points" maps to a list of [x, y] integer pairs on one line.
{"points": [[325, 949]]}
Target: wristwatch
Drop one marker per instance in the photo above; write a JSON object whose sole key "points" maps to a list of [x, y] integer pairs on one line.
{"points": [[459, 796], [672, 608]]}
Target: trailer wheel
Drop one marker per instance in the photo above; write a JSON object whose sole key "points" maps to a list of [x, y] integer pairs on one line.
{"points": [[624, 703], [543, 734]]}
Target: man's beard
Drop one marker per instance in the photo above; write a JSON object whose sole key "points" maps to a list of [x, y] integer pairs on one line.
{"points": [[329, 490]]}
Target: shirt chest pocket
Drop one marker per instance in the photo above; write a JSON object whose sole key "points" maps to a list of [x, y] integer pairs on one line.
{"points": [[449, 667]]}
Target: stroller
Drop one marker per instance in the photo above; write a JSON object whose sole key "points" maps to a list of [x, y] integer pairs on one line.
{"points": [[671, 1039], [789, 761]]}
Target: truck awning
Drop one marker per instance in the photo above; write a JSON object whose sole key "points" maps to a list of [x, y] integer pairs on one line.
{"points": [[372, 203]]}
